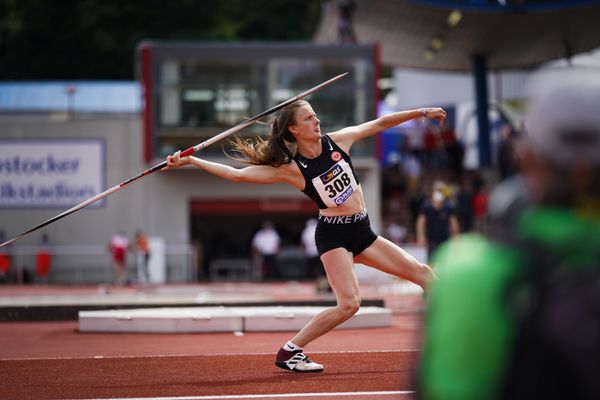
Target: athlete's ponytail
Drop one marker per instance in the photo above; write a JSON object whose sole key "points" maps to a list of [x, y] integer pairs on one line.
{"points": [[275, 150]]}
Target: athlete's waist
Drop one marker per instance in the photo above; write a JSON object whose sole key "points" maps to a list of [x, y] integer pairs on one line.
{"points": [[343, 219]]}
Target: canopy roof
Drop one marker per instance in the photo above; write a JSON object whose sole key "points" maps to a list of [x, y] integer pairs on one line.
{"points": [[419, 34]]}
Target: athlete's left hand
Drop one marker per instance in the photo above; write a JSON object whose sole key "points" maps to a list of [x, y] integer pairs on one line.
{"points": [[435, 113]]}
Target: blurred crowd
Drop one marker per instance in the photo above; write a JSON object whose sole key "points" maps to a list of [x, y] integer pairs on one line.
{"points": [[428, 195]]}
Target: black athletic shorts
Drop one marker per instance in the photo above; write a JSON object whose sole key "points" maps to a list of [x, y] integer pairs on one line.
{"points": [[352, 232]]}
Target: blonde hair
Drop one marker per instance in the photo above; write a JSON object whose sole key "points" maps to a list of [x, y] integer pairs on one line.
{"points": [[275, 150]]}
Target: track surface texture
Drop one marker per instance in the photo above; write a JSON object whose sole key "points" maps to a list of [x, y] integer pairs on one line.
{"points": [[53, 360]]}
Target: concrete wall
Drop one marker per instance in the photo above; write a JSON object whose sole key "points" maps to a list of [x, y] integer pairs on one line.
{"points": [[121, 134], [415, 88]]}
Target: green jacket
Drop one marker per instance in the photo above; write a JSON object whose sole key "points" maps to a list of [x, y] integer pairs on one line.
{"points": [[468, 330]]}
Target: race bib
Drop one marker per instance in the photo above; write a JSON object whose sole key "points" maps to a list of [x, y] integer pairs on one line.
{"points": [[336, 185]]}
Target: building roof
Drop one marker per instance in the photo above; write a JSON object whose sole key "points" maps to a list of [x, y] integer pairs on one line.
{"points": [[74, 96], [418, 34]]}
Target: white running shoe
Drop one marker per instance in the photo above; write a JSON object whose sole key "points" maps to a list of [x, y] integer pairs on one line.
{"points": [[296, 361]]}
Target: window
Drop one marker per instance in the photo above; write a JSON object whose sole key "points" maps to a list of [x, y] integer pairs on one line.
{"points": [[202, 90]]}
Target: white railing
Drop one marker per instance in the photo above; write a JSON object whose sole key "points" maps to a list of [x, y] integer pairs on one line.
{"points": [[93, 263]]}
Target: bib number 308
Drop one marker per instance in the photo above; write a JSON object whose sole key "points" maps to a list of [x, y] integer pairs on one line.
{"points": [[338, 185]]}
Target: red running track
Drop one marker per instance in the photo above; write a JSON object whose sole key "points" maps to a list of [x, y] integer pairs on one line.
{"points": [[201, 376], [55, 361]]}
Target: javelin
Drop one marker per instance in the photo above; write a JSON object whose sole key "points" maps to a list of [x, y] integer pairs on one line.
{"points": [[184, 153]]}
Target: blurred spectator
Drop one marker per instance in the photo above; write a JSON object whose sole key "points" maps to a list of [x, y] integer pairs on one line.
{"points": [[118, 246], [480, 205], [448, 136], [430, 140], [439, 157], [394, 232], [508, 163], [415, 202], [415, 141], [411, 168], [315, 266], [516, 315], [442, 187], [5, 260], [142, 252], [309, 247], [464, 206], [265, 246], [393, 182], [436, 222], [455, 154], [346, 25], [43, 260]]}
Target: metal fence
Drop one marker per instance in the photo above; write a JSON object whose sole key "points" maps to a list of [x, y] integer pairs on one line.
{"points": [[71, 264]]}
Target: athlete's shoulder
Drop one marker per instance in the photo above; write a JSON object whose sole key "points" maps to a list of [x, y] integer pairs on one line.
{"points": [[290, 166], [333, 136], [291, 173], [340, 140]]}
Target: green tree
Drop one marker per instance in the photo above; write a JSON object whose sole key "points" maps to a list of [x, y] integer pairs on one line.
{"points": [[96, 39]]}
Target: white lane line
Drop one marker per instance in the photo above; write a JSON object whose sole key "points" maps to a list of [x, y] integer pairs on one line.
{"points": [[99, 356], [274, 396]]}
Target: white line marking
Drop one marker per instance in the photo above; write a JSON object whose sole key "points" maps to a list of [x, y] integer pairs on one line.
{"points": [[99, 356], [274, 396]]}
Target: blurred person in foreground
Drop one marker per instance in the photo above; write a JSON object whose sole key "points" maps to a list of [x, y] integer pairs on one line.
{"points": [[319, 165], [517, 315]]}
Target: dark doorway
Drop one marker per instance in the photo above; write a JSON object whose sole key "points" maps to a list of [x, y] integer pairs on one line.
{"points": [[223, 229]]}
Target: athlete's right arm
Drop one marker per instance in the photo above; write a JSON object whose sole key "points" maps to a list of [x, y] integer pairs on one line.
{"points": [[253, 174]]}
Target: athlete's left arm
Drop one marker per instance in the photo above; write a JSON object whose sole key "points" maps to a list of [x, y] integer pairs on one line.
{"points": [[347, 136]]}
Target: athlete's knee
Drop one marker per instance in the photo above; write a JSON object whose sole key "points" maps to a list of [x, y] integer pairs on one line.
{"points": [[349, 306]]}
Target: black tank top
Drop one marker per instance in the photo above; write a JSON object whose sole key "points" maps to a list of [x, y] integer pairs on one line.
{"points": [[329, 178]]}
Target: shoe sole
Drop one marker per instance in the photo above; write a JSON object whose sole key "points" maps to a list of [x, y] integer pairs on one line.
{"points": [[284, 366]]}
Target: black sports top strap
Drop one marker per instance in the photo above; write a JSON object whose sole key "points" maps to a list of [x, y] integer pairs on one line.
{"points": [[329, 178]]}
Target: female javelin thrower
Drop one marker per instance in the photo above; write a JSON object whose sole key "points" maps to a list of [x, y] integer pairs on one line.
{"points": [[320, 166]]}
